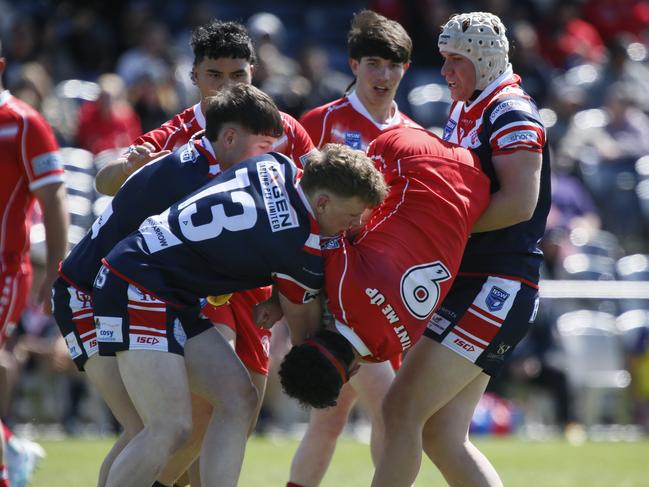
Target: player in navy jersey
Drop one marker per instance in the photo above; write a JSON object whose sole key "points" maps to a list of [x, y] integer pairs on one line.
{"points": [[494, 299], [241, 122], [252, 225]]}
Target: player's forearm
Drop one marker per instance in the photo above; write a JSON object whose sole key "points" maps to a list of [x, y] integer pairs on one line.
{"points": [[303, 320], [111, 177], [55, 221]]}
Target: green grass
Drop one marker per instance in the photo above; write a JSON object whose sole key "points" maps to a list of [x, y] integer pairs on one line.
{"points": [[74, 463]]}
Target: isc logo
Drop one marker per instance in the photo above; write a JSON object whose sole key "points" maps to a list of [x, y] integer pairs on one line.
{"points": [[147, 340], [466, 346]]}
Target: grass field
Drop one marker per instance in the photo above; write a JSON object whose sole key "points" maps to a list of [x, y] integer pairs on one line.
{"points": [[74, 463]]}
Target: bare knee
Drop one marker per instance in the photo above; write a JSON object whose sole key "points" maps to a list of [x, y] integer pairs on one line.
{"points": [[240, 401], [169, 434], [329, 423]]}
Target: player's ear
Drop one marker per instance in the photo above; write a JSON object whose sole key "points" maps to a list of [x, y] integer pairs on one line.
{"points": [[193, 75], [353, 64], [229, 136], [321, 202]]}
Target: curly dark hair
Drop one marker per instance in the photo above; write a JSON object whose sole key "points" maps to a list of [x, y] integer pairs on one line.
{"points": [[218, 39], [310, 377]]}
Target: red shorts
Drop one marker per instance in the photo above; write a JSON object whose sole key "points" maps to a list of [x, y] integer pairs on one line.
{"points": [[14, 291], [253, 343]]}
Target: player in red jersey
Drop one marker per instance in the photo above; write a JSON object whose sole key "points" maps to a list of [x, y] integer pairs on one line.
{"points": [[383, 284], [494, 299], [379, 55], [31, 171], [223, 55]]}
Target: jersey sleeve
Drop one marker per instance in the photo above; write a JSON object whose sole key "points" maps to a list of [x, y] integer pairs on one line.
{"points": [[40, 153], [515, 125], [299, 144], [303, 282]]}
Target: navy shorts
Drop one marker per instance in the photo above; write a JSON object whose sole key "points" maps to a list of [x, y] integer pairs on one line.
{"points": [[483, 318], [129, 318], [74, 315]]}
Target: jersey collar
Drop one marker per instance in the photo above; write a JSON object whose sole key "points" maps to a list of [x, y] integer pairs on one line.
{"points": [[205, 147], [315, 228], [506, 78], [200, 117], [357, 105]]}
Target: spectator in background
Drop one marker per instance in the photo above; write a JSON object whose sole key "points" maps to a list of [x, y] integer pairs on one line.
{"points": [[620, 69], [326, 84], [151, 55], [614, 17], [32, 171], [527, 61], [275, 73], [108, 122], [567, 40]]}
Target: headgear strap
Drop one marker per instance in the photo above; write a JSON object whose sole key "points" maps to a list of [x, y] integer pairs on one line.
{"points": [[331, 357]]}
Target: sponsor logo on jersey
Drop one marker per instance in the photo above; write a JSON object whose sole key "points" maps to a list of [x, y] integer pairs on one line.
{"points": [[46, 163], [496, 299], [91, 347], [448, 129], [148, 342], [438, 324], [464, 345], [188, 155], [518, 136], [157, 234], [509, 106], [109, 329], [281, 215], [73, 345], [330, 244], [353, 140]]}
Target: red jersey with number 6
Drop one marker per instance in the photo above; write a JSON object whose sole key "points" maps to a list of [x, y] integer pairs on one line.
{"points": [[384, 285]]}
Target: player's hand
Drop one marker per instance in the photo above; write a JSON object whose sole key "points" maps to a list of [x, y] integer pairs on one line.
{"points": [[267, 313], [139, 155], [44, 296]]}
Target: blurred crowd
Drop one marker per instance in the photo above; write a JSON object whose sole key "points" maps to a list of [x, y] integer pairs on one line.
{"points": [[102, 73]]}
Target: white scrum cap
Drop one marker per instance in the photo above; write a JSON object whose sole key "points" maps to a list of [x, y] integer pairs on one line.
{"points": [[480, 37]]}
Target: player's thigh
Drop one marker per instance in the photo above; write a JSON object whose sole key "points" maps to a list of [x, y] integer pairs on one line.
{"points": [[14, 291], [371, 383], [431, 376], [104, 374], [334, 419], [214, 370], [157, 384], [450, 424]]}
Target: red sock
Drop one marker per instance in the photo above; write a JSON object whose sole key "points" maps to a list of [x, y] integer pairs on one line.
{"points": [[4, 476], [290, 484], [8, 434]]}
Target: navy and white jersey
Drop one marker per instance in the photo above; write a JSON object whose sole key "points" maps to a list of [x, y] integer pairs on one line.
{"points": [[148, 191], [248, 227], [502, 120]]}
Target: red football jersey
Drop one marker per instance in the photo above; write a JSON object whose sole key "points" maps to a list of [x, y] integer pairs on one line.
{"points": [[295, 143], [29, 159], [347, 121], [384, 285]]}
